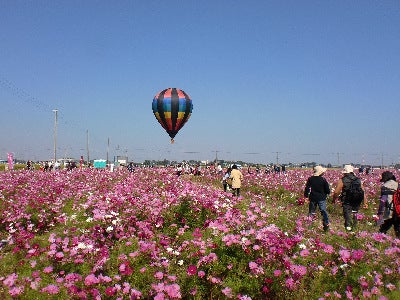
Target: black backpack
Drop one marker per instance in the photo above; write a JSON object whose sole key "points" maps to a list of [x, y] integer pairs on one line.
{"points": [[355, 193]]}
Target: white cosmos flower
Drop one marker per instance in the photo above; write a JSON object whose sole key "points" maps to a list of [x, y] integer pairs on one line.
{"points": [[82, 246]]}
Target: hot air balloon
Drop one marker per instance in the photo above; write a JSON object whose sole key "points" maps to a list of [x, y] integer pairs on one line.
{"points": [[172, 108]]}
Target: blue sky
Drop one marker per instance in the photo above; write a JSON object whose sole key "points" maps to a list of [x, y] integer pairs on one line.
{"points": [[293, 80]]}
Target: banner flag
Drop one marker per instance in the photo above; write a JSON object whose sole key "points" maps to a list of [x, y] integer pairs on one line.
{"points": [[10, 157]]}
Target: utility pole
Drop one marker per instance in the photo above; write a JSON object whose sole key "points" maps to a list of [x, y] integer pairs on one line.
{"points": [[108, 148], [277, 156], [87, 146], [338, 158], [216, 155], [55, 111]]}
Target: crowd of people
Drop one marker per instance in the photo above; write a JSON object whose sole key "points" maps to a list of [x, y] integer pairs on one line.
{"points": [[185, 168], [349, 191], [44, 166]]}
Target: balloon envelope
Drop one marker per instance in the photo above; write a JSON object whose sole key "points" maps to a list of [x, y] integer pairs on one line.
{"points": [[172, 108]]}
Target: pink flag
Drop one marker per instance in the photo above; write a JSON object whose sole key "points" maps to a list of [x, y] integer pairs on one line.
{"points": [[10, 157]]}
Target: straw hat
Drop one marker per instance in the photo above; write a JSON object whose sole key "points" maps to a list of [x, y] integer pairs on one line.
{"points": [[318, 170], [348, 169]]}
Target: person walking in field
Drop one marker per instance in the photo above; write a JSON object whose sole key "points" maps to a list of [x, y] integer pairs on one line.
{"points": [[316, 190], [386, 212], [225, 182], [237, 178], [350, 191]]}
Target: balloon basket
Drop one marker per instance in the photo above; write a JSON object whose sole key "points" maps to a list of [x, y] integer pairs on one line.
{"points": [[172, 141]]}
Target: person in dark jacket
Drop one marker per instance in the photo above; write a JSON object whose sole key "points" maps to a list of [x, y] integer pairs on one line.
{"points": [[350, 209], [316, 190], [387, 214]]}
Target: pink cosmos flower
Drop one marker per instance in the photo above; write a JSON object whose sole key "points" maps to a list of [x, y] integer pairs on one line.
{"points": [[59, 280], [16, 291], [193, 291], [126, 288], [227, 292], [51, 289], [304, 253], [135, 294], [252, 265], [375, 291], [335, 269], [357, 255], [125, 268], [290, 283], [388, 271], [197, 233], [378, 280], [277, 273], [173, 290], [10, 280], [159, 275], [34, 285], [172, 278], [73, 277], [201, 274], [48, 270], [298, 270], [159, 296], [59, 255], [367, 294], [110, 291], [91, 279], [328, 249], [345, 255], [255, 268], [337, 295], [215, 280], [391, 287], [191, 270], [363, 282]]}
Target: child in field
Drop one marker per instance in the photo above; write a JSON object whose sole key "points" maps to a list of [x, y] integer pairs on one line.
{"points": [[225, 180]]}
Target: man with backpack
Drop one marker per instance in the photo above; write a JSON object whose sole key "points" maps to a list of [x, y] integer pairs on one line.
{"points": [[351, 194], [388, 211]]}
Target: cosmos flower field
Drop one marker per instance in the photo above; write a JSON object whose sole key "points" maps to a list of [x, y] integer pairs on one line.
{"points": [[94, 234]]}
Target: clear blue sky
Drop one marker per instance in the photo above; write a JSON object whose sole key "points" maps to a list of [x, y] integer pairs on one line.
{"points": [[301, 80]]}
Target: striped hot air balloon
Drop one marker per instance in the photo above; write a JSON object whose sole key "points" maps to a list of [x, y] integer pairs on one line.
{"points": [[172, 108]]}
